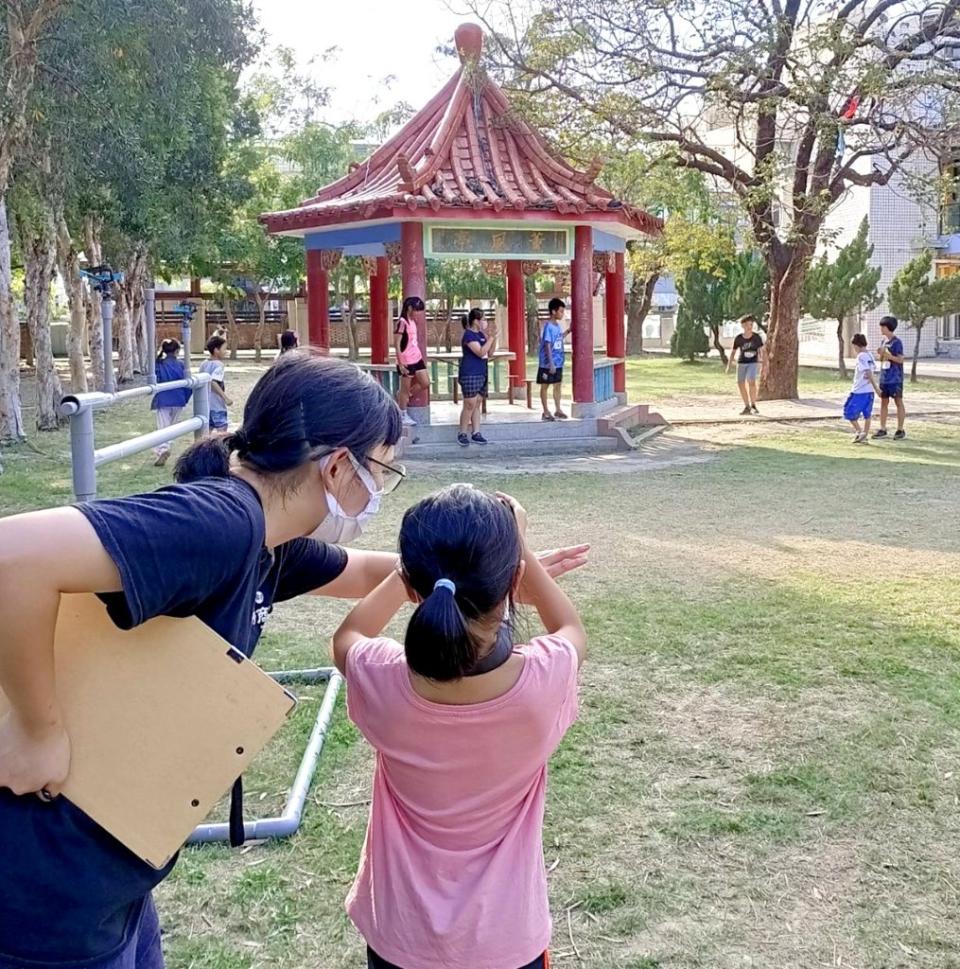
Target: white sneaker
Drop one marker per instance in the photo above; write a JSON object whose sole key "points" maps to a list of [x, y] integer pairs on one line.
{"points": [[408, 421]]}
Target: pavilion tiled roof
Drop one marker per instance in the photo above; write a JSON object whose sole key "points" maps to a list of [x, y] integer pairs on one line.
{"points": [[467, 151]]}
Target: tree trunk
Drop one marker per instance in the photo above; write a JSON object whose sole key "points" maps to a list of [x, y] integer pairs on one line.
{"points": [[841, 360], [638, 308], [778, 372], [40, 259], [448, 332], [233, 337], [353, 344], [92, 227], [918, 327], [123, 328], [11, 416], [125, 315], [717, 345], [261, 324], [68, 262], [533, 315]]}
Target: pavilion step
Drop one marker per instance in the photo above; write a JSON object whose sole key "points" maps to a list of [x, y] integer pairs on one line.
{"points": [[496, 450], [507, 431]]}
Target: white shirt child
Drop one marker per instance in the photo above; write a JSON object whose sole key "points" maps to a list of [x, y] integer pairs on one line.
{"points": [[866, 365]]}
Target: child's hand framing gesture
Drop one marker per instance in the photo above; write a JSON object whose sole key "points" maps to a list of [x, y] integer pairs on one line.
{"points": [[519, 512]]}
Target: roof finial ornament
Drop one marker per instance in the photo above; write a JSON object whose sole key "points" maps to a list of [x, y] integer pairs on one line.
{"points": [[469, 41]]}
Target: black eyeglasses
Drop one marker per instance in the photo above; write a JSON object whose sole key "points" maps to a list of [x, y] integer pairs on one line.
{"points": [[393, 474]]}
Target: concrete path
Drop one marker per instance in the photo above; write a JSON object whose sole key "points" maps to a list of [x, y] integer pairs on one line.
{"points": [[723, 409]]}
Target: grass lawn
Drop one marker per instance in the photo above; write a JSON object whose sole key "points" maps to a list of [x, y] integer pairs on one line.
{"points": [[765, 769]]}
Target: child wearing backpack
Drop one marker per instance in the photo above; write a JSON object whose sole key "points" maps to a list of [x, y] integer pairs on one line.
{"points": [[463, 722], [168, 403]]}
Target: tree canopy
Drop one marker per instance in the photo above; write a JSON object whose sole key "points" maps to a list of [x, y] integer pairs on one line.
{"points": [[786, 105]]}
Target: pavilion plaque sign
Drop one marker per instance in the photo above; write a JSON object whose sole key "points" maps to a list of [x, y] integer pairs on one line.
{"points": [[470, 242]]}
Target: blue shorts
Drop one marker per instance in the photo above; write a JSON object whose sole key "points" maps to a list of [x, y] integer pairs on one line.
{"points": [[219, 420], [858, 405], [894, 390]]}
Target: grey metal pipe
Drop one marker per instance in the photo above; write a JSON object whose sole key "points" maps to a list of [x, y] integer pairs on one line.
{"points": [[84, 468], [185, 339], [106, 314], [73, 403], [150, 318], [288, 822], [201, 407], [142, 442]]}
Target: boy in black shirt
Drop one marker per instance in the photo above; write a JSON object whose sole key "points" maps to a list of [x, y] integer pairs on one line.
{"points": [[750, 347]]}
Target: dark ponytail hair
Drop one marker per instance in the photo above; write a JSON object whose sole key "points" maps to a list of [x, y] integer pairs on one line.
{"points": [[412, 304], [469, 538], [472, 317], [301, 404], [170, 346]]}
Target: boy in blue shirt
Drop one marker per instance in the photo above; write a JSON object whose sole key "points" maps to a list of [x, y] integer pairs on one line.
{"points": [[891, 359], [550, 370]]}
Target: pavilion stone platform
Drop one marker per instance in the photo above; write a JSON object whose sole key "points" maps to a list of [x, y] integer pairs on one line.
{"points": [[515, 430], [466, 178]]}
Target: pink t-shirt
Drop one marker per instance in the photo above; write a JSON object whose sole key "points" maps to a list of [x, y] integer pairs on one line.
{"points": [[411, 352], [452, 873]]}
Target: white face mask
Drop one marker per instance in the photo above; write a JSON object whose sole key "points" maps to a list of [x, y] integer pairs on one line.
{"points": [[339, 528]]}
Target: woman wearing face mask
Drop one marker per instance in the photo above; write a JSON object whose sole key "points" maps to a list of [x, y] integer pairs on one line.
{"points": [[313, 457]]}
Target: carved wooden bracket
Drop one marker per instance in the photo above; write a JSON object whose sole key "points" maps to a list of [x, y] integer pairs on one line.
{"points": [[603, 262], [393, 253], [530, 267], [330, 259]]}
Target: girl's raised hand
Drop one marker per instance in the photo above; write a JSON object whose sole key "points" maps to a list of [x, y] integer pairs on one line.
{"points": [[560, 561], [30, 762], [519, 512]]}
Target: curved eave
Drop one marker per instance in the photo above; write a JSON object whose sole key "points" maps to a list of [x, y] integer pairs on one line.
{"points": [[625, 221]]}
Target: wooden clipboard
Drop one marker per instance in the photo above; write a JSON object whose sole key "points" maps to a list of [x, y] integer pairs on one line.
{"points": [[162, 720]]}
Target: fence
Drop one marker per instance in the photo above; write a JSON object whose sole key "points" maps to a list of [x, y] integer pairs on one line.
{"points": [[86, 457]]}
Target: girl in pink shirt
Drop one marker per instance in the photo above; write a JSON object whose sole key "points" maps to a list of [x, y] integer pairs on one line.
{"points": [[411, 363], [463, 723]]}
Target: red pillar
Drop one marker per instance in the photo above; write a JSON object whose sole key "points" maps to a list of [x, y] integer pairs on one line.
{"points": [[616, 338], [413, 271], [581, 275], [517, 321], [380, 312], [318, 302]]}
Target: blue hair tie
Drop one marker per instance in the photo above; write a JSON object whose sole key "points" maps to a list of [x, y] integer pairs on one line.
{"points": [[447, 584]]}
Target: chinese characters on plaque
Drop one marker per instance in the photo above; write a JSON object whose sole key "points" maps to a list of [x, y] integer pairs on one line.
{"points": [[466, 242]]}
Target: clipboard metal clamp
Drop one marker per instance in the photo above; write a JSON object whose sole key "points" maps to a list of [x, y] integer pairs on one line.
{"points": [[288, 823]]}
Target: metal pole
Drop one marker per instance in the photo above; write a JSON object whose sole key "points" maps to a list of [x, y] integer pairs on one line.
{"points": [[201, 408], [143, 442], [185, 340], [150, 311], [288, 822], [106, 312], [82, 455]]}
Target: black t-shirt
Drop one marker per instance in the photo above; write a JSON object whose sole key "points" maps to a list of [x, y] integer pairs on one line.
{"points": [[68, 890], [749, 348]]}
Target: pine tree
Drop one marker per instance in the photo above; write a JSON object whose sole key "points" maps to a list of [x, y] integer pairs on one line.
{"points": [[834, 290], [689, 338], [915, 297]]}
